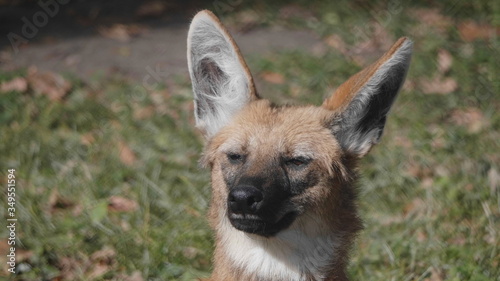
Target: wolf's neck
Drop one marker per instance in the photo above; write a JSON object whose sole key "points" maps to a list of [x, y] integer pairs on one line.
{"points": [[302, 252]]}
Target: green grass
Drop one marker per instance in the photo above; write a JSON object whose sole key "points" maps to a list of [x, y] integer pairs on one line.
{"points": [[429, 198]]}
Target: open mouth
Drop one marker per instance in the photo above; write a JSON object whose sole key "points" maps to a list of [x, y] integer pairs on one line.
{"points": [[256, 225]]}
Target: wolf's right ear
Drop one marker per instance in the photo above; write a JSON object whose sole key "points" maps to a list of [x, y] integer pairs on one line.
{"points": [[222, 83]]}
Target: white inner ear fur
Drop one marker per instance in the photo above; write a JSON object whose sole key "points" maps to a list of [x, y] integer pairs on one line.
{"points": [[216, 100], [360, 142]]}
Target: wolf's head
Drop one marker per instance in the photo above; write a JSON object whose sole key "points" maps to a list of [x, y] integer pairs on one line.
{"points": [[273, 166]]}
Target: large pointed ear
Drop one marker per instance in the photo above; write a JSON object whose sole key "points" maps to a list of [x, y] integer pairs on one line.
{"points": [[364, 100], [222, 83]]}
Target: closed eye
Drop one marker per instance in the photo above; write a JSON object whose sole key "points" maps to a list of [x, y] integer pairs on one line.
{"points": [[298, 161], [234, 157]]}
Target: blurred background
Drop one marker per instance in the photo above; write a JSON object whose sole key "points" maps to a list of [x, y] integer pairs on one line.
{"points": [[96, 118]]}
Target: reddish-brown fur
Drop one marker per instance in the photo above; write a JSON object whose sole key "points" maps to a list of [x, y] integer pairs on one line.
{"points": [[265, 135]]}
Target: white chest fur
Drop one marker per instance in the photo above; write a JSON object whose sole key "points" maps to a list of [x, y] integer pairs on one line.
{"points": [[294, 254]]}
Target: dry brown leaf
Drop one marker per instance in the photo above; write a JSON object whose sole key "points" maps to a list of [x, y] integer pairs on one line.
{"points": [[247, 20], [190, 252], [141, 113], [53, 85], [471, 30], [421, 236], [136, 276], [69, 267], [192, 212], [459, 240], [445, 60], [427, 182], [414, 207], [23, 255], [121, 204], [4, 247], [403, 141], [471, 118], [439, 85], [18, 84], [120, 32], [87, 139], [436, 275], [417, 171], [273, 77], [337, 43], [102, 261], [105, 255], [97, 270], [493, 180], [58, 203], [127, 156], [152, 8], [431, 18]]}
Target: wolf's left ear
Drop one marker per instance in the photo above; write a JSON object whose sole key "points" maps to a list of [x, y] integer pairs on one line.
{"points": [[364, 100], [222, 83]]}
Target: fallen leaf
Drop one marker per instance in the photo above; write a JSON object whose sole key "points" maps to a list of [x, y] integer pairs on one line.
{"points": [[125, 225], [246, 20], [97, 270], [431, 18], [53, 85], [445, 60], [105, 255], [421, 236], [436, 275], [87, 139], [472, 118], [471, 30], [152, 9], [273, 77], [403, 141], [190, 252], [58, 203], [18, 84], [414, 207], [438, 85], [121, 204], [120, 32], [23, 255], [337, 43], [459, 240], [4, 247], [427, 182], [102, 261], [141, 113], [192, 212], [493, 180], [136, 276], [127, 156], [69, 267]]}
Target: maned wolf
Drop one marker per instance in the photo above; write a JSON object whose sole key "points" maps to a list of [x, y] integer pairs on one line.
{"points": [[283, 194]]}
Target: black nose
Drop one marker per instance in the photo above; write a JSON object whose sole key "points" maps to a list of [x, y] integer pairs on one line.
{"points": [[245, 199]]}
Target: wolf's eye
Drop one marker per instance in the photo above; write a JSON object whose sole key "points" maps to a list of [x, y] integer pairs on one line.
{"points": [[234, 157], [298, 162]]}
